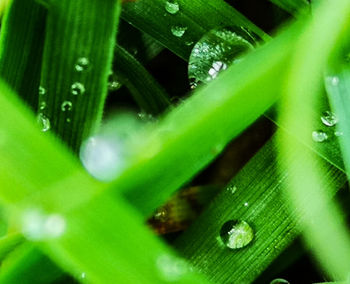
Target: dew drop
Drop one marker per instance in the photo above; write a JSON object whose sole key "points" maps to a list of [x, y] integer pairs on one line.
{"points": [[236, 234], [215, 51], [68, 120], [82, 64], [246, 204], [328, 118], [42, 105], [338, 133], [37, 226], [77, 88], [178, 31], [319, 136], [172, 7], [42, 91], [231, 188], [113, 83], [279, 281], [66, 106], [44, 122], [171, 268]]}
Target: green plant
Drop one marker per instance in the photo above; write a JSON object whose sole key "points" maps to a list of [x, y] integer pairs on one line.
{"points": [[62, 223]]}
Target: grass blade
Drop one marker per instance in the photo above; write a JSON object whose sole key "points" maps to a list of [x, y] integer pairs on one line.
{"points": [[292, 6]]}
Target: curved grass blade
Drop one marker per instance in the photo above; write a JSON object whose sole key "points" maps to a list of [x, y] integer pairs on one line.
{"points": [[21, 47], [322, 221], [194, 18], [292, 6], [80, 37], [149, 95]]}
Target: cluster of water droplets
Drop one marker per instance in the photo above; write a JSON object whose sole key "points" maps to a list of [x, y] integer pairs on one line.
{"points": [[328, 119], [37, 226], [215, 51], [236, 234]]}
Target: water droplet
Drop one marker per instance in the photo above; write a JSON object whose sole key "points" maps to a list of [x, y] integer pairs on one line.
{"points": [[215, 51], [338, 133], [113, 83], [44, 122], [246, 204], [232, 188], [83, 275], [279, 281], [333, 80], [328, 118], [68, 120], [42, 105], [172, 7], [77, 89], [319, 136], [161, 215], [146, 117], [236, 234], [82, 64], [37, 226], [66, 106], [178, 31], [42, 91], [188, 43], [171, 268]]}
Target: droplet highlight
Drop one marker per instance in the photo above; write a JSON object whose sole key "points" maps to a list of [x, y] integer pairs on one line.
{"points": [[178, 31], [42, 91], [172, 7], [113, 83], [171, 268], [44, 122], [77, 89], [236, 234]]}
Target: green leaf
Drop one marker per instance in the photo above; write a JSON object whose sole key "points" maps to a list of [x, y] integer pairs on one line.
{"points": [[77, 60], [21, 47], [292, 6], [196, 17]]}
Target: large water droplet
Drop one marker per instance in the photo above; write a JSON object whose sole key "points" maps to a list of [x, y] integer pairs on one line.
{"points": [[178, 31], [328, 118], [37, 226], [215, 51], [171, 268], [113, 83], [82, 64], [44, 122], [172, 7], [236, 234], [279, 281], [77, 88], [319, 136], [66, 106]]}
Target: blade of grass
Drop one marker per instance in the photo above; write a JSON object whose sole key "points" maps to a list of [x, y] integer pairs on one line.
{"points": [[75, 33], [292, 6], [196, 17], [21, 46], [9, 243], [255, 195], [149, 95], [322, 222]]}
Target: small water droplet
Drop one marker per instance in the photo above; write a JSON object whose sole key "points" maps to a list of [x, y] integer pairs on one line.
{"points": [[66, 106], [146, 117], [68, 120], [83, 275], [231, 188], [279, 281], [338, 133], [189, 43], [215, 51], [77, 88], [246, 204], [42, 91], [172, 7], [82, 64], [236, 234], [37, 226], [171, 268], [328, 118], [334, 80], [178, 31], [42, 105], [113, 83], [161, 215], [44, 122], [319, 136]]}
